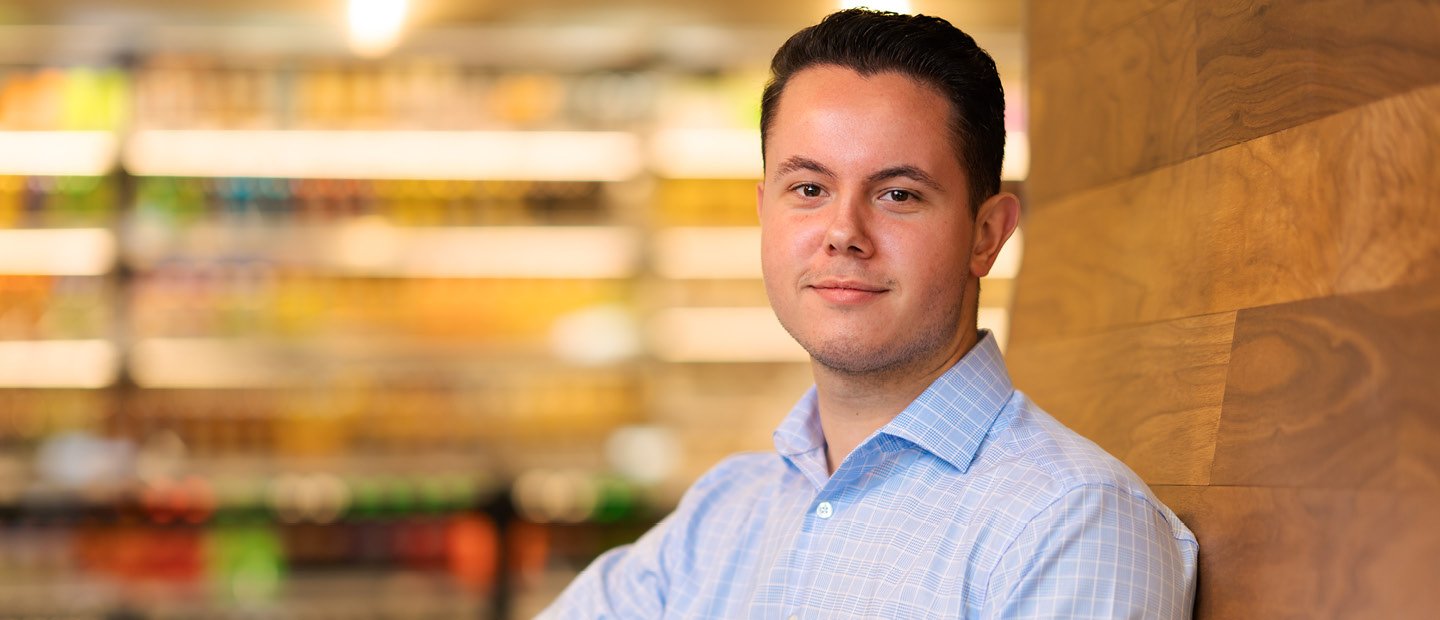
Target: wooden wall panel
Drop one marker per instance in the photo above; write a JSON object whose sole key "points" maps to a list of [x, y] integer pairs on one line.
{"points": [[1060, 26], [1240, 200], [1386, 165], [1121, 104], [1149, 394], [1126, 87], [1322, 392], [1311, 553], [1268, 221], [1267, 66]]}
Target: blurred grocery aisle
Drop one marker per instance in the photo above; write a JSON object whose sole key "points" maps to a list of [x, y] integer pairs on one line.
{"points": [[295, 325]]}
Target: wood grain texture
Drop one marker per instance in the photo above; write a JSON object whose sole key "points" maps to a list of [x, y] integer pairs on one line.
{"points": [[1240, 200], [1344, 204], [1117, 106], [1267, 65], [1150, 395], [1335, 392], [1311, 553], [1059, 26], [1384, 160]]}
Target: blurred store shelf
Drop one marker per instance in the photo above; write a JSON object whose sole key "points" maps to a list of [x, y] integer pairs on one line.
{"points": [[407, 337], [707, 252], [56, 153], [58, 363], [722, 335], [221, 363], [706, 153], [393, 154], [254, 590], [371, 246], [57, 251]]}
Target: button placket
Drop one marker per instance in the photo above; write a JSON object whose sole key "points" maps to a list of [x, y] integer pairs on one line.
{"points": [[824, 510]]}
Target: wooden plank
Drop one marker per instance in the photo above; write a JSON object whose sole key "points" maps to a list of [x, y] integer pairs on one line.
{"points": [[1059, 26], [1180, 241], [1150, 394], [1335, 392], [1344, 204], [1263, 66], [1384, 160], [1121, 105], [1311, 553]]}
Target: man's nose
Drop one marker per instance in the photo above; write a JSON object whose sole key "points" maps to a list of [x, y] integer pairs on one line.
{"points": [[849, 231]]}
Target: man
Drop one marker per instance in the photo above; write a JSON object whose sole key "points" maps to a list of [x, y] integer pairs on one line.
{"points": [[912, 481]]}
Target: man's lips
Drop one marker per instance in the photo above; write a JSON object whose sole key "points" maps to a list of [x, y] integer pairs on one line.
{"points": [[847, 292]]}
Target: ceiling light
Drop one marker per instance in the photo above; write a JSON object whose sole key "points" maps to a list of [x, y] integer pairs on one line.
{"points": [[375, 25]]}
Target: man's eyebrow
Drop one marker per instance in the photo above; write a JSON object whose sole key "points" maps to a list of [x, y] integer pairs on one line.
{"points": [[907, 171], [797, 163]]}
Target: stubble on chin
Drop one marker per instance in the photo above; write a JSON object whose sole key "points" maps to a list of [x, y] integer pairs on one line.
{"points": [[848, 354]]}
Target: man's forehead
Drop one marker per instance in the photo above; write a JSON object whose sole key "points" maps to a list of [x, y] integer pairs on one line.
{"points": [[888, 97], [832, 118], [835, 83]]}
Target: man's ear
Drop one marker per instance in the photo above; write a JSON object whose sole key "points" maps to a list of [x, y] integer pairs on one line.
{"points": [[994, 223]]}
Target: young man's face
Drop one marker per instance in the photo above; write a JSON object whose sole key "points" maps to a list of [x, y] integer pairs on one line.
{"points": [[866, 232]]}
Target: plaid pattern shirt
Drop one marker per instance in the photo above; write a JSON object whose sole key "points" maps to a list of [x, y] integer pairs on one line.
{"points": [[971, 503]]}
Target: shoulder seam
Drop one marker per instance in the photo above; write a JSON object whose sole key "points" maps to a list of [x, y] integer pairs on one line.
{"points": [[985, 597]]}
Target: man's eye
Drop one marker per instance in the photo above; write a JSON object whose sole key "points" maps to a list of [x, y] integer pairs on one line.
{"points": [[899, 195], [809, 190]]}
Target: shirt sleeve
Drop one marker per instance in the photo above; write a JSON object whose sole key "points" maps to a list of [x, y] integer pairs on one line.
{"points": [[636, 580], [629, 581], [1096, 552]]}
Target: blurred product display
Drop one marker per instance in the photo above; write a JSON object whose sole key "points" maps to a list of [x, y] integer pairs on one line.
{"points": [[355, 386], [329, 392], [64, 99]]}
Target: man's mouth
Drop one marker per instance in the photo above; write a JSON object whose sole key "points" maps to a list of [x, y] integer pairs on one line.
{"points": [[847, 292]]}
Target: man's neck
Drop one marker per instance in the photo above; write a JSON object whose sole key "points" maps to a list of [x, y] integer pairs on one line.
{"points": [[852, 407]]}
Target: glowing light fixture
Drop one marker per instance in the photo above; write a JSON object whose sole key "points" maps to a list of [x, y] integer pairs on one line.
{"points": [[58, 363], [894, 6], [46, 153], [206, 363], [457, 155], [707, 153], [369, 247], [375, 25], [57, 251]]}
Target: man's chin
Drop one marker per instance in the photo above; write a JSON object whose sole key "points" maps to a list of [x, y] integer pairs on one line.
{"points": [[850, 358]]}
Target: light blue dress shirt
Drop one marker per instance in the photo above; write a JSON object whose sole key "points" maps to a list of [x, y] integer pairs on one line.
{"points": [[971, 503]]}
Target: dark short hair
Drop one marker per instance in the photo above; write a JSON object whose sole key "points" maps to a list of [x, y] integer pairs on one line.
{"points": [[924, 48]]}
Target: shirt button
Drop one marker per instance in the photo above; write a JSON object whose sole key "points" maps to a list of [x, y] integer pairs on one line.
{"points": [[824, 510]]}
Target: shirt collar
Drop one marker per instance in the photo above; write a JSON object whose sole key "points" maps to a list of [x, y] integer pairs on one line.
{"points": [[949, 419], [800, 431]]}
